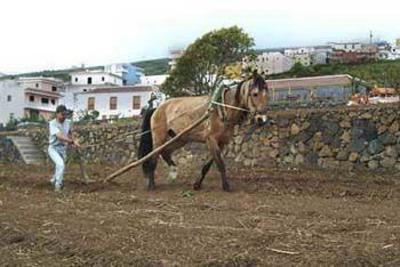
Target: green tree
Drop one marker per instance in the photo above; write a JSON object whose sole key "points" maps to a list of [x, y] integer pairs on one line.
{"points": [[202, 67]]}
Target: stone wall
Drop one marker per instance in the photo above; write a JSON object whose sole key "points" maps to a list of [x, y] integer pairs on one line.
{"points": [[8, 152], [341, 137]]}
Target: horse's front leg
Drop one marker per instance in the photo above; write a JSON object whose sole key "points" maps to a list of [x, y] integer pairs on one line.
{"points": [[204, 171], [216, 153]]}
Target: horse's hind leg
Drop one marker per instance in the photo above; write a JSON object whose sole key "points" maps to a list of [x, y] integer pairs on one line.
{"points": [[149, 168], [204, 171], [173, 174]]}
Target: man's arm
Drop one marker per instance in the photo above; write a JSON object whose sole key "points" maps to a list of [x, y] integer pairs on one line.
{"points": [[64, 138]]}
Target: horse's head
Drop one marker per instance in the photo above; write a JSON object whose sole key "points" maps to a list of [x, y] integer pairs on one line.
{"points": [[256, 97]]}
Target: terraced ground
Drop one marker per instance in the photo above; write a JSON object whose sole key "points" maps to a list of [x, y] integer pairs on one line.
{"points": [[272, 217]]}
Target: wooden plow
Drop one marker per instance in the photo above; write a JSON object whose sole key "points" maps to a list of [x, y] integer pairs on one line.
{"points": [[157, 150]]}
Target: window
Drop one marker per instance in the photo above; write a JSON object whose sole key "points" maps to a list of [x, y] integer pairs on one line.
{"points": [[103, 79], [76, 79], [31, 98], [136, 102], [53, 101], [85, 90], [54, 89], [9, 98], [45, 100], [90, 103], [37, 85], [89, 80], [113, 102]]}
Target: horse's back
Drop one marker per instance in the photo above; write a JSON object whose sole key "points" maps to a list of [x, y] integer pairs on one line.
{"points": [[178, 113]]}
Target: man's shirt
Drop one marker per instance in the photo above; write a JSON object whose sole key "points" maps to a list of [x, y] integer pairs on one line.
{"points": [[56, 127]]}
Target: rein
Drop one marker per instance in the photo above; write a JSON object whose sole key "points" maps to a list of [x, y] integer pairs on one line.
{"points": [[229, 106]]}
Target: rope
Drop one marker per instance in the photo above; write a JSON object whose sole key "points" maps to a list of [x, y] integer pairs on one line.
{"points": [[229, 106]]}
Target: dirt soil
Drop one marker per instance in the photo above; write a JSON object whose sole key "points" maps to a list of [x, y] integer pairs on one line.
{"points": [[271, 218]]}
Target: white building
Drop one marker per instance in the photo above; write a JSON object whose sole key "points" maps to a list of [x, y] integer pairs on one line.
{"points": [[115, 102], [394, 53], [347, 46], [270, 63], [157, 80], [300, 55], [95, 77], [29, 97], [85, 81]]}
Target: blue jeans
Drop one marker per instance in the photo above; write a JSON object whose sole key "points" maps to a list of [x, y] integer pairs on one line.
{"points": [[58, 155]]}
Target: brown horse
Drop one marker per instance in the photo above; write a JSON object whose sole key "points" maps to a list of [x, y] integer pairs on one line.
{"points": [[171, 117]]}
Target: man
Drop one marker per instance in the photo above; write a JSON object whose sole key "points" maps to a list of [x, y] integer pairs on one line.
{"points": [[59, 138]]}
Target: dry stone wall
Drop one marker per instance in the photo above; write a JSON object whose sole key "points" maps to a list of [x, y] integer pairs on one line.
{"points": [[341, 137]]}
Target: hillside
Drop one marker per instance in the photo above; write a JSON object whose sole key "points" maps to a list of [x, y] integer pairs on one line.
{"points": [[62, 74], [154, 66]]}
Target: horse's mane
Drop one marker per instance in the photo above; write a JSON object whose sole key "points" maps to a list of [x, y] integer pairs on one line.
{"points": [[258, 81]]}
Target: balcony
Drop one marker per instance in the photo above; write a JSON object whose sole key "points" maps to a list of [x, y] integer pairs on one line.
{"points": [[40, 106]]}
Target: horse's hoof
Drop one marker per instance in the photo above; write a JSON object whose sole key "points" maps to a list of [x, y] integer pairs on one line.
{"points": [[196, 186]]}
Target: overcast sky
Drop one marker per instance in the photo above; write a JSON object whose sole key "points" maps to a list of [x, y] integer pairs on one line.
{"points": [[51, 34]]}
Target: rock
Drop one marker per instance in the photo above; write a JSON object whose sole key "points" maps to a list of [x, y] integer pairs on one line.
{"points": [[238, 140], [364, 129], [274, 153], [289, 159], [325, 152], [382, 128], [342, 155], [346, 137], [366, 116], [397, 166], [301, 147], [247, 162], [394, 127], [312, 157], [373, 165], [305, 125], [294, 130], [282, 122], [345, 124], [293, 149], [365, 157], [353, 156], [317, 145], [358, 145], [388, 162], [391, 151], [299, 159], [387, 138], [375, 147]]}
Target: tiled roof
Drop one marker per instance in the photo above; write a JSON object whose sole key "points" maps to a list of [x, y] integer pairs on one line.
{"points": [[124, 89]]}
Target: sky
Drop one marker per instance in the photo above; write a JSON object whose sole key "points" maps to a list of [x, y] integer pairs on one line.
{"points": [[54, 34]]}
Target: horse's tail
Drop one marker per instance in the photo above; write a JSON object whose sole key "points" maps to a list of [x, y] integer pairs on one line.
{"points": [[146, 141]]}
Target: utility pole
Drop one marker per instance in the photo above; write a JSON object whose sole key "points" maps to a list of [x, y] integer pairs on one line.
{"points": [[370, 37]]}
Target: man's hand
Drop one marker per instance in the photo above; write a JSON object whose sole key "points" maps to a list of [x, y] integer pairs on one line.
{"points": [[76, 144]]}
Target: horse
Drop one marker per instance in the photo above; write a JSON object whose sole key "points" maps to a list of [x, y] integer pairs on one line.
{"points": [[249, 97]]}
